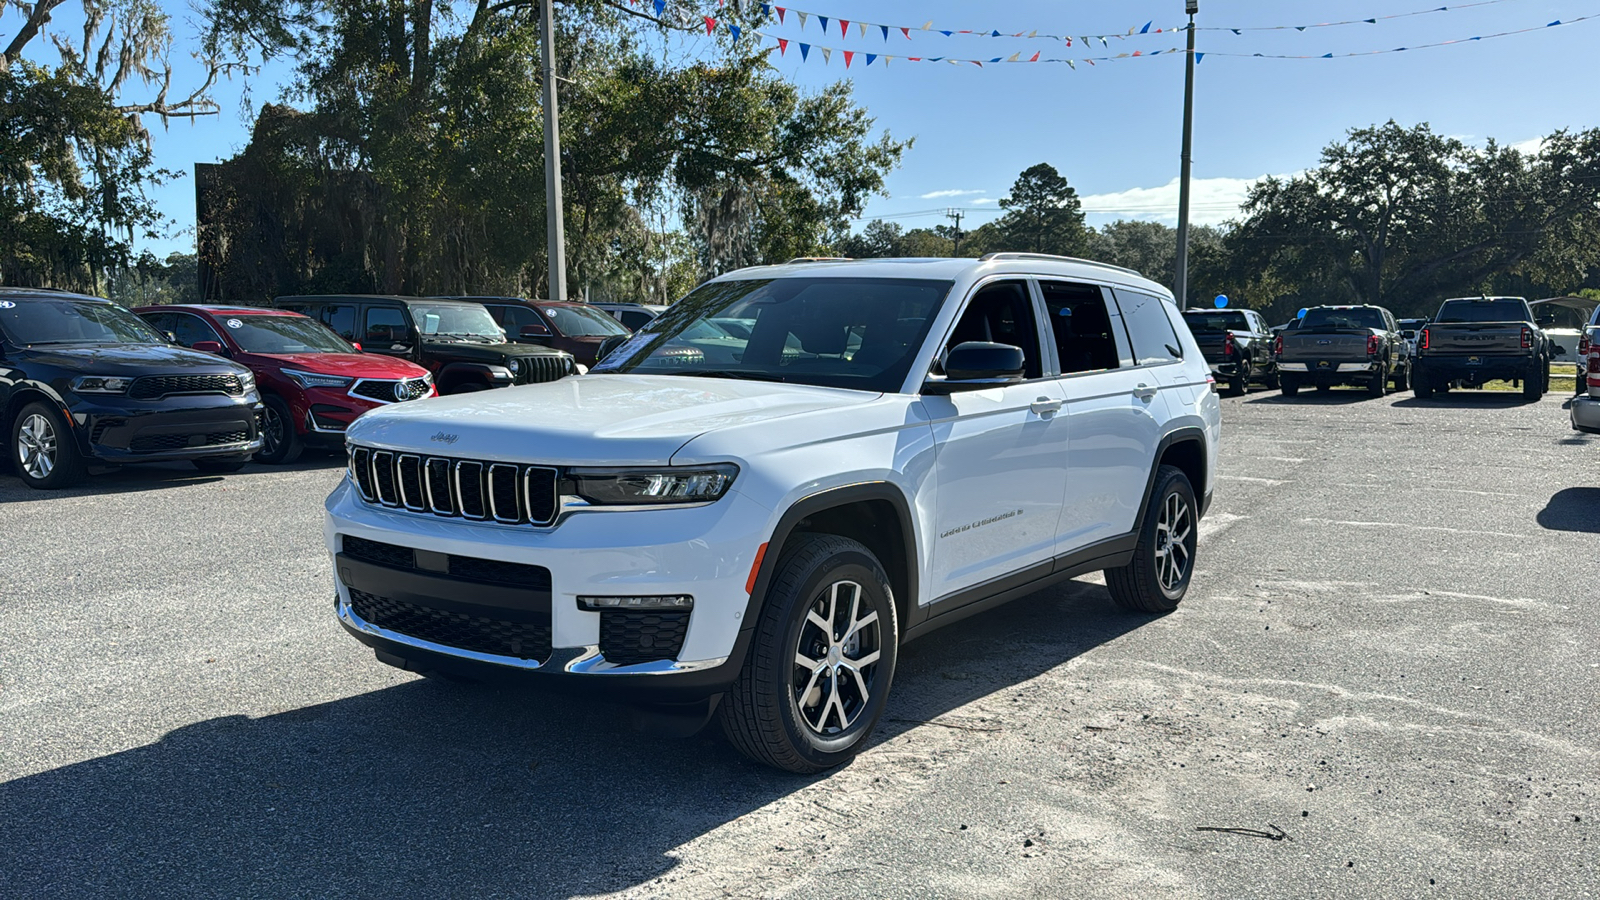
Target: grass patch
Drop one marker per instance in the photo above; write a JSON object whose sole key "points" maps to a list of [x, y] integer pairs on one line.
{"points": [[1563, 380]]}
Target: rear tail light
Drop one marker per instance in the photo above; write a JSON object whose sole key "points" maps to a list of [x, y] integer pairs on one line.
{"points": [[1277, 345], [1427, 339], [1228, 348], [1583, 345], [1374, 345], [1527, 337]]}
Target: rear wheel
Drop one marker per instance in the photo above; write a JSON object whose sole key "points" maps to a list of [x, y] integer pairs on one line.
{"points": [[1324, 387], [1290, 384], [819, 669], [280, 445], [1240, 385], [1158, 575], [1533, 381], [44, 450], [1272, 380], [1377, 384], [1402, 379], [1422, 385]]}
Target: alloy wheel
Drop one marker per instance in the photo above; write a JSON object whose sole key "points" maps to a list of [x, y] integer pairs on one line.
{"points": [[1174, 529], [836, 659], [272, 426], [36, 446]]}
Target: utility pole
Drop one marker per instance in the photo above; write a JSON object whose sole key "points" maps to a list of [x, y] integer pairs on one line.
{"points": [[555, 228], [1180, 284], [953, 213]]}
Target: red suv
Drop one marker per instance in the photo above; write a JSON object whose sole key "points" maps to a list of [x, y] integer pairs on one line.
{"points": [[313, 384]]}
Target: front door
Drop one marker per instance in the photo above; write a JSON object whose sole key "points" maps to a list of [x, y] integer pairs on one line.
{"points": [[1000, 454]]}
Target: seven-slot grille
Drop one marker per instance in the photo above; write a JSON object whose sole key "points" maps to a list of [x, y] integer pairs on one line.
{"points": [[508, 493], [154, 387], [539, 369]]}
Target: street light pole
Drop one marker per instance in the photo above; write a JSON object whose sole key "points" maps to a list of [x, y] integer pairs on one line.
{"points": [[555, 228], [1180, 285]]}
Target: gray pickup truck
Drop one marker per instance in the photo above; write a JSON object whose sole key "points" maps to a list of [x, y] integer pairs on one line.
{"points": [[1359, 345], [1475, 340]]}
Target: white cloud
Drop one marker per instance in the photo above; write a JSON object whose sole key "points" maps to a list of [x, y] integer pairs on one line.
{"points": [[1211, 202], [1530, 146], [936, 195], [982, 200]]}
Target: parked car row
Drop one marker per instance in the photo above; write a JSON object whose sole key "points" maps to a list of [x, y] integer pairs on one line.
{"points": [[1468, 343], [1585, 407]]}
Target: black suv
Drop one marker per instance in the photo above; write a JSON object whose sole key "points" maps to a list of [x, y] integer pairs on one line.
{"points": [[457, 341], [83, 379]]}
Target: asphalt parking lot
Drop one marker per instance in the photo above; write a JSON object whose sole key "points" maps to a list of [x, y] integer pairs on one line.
{"points": [[1389, 658]]}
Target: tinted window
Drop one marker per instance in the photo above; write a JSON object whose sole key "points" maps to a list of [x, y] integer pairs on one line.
{"points": [[159, 321], [634, 320], [1344, 317], [341, 320], [190, 329], [1497, 310], [1086, 337], [65, 321], [1002, 313], [385, 325], [1145, 315], [859, 333], [578, 321], [516, 318], [1216, 323]]}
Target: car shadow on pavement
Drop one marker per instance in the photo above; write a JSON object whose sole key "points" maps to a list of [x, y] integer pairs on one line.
{"points": [[427, 789], [1335, 397], [148, 477], [1467, 400], [1573, 509]]}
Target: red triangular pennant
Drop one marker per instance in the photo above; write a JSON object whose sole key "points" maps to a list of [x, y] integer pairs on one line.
{"points": [[711, 24], [783, 46], [844, 31], [1035, 58], [781, 11], [848, 55]]}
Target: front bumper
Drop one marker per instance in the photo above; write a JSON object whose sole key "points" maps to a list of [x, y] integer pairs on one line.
{"points": [[1586, 414], [704, 552], [119, 430]]}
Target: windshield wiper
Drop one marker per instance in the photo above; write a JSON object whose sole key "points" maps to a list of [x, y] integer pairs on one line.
{"points": [[724, 373]]}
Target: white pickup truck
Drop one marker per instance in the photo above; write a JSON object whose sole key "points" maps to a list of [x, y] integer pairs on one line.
{"points": [[749, 526]]}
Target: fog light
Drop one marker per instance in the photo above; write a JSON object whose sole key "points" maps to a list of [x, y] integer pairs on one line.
{"points": [[680, 603]]}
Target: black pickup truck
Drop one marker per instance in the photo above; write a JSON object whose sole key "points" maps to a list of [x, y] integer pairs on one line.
{"points": [[1359, 345], [1475, 340], [1237, 344]]}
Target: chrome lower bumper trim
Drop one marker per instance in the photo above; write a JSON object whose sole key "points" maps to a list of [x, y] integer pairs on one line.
{"points": [[591, 662], [348, 616], [1291, 367]]}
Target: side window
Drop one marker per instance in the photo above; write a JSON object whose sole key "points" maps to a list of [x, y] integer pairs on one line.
{"points": [[161, 322], [191, 329], [635, 320], [1086, 337], [1002, 313], [385, 325], [1257, 324], [520, 317], [1154, 340], [341, 320]]}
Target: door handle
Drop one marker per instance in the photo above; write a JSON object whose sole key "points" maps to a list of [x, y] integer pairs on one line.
{"points": [[1145, 392], [1044, 406]]}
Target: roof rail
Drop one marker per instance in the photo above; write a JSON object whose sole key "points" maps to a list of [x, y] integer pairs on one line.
{"points": [[1054, 258], [812, 259]]}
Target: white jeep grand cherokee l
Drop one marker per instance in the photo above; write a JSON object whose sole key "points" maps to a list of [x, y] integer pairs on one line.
{"points": [[750, 526]]}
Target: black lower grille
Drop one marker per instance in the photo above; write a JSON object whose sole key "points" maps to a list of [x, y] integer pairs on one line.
{"points": [[479, 634], [379, 553], [101, 426], [467, 568], [156, 442], [628, 636]]}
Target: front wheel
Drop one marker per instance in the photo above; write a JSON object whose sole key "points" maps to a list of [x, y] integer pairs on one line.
{"points": [[280, 445], [1157, 577], [44, 449], [819, 669]]}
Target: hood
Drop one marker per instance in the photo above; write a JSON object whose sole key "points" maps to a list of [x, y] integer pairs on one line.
{"points": [[133, 360], [594, 420], [463, 351], [350, 365]]}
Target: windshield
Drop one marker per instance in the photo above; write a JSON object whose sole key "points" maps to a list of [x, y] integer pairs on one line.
{"points": [[1343, 317], [1216, 323], [283, 334], [64, 321], [1497, 310], [578, 321], [859, 333], [456, 320]]}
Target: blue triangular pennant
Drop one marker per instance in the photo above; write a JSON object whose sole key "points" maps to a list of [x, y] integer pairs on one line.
{"points": [[824, 21], [1146, 28], [734, 29], [661, 7], [805, 51], [885, 35], [871, 57]]}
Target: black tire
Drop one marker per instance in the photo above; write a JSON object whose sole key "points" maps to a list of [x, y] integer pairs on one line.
{"points": [[1402, 379], [1324, 387], [1533, 383], [1377, 385], [1421, 385], [280, 445], [1272, 381], [1289, 384], [765, 713], [220, 465], [1147, 584], [1240, 385], [44, 450]]}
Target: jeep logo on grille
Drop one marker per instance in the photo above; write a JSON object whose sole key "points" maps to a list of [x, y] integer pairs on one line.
{"points": [[443, 438]]}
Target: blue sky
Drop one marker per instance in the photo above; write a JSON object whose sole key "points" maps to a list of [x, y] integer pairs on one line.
{"points": [[1113, 130]]}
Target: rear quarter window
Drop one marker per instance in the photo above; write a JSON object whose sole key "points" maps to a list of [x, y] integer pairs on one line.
{"points": [[1155, 342]]}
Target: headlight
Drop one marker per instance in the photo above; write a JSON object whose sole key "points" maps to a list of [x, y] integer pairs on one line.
{"points": [[515, 366], [583, 369], [313, 380], [637, 487], [100, 384], [247, 380]]}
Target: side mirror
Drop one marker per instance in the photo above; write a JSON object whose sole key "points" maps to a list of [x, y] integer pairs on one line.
{"points": [[209, 347], [975, 365], [356, 346], [534, 331]]}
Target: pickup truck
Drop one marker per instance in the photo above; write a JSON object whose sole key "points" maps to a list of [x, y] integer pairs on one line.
{"points": [[1586, 406], [1237, 344], [1359, 345], [1475, 340]]}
